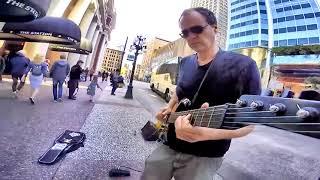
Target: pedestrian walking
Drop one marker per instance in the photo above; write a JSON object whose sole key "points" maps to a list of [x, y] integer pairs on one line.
{"points": [[104, 76], [59, 71], [91, 91], [38, 70], [18, 65], [91, 74], [116, 79], [73, 83]]}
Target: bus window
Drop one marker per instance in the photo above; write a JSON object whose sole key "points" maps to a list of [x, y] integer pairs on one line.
{"points": [[166, 77]]}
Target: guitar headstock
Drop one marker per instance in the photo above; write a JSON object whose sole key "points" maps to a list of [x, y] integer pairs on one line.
{"points": [[296, 115]]}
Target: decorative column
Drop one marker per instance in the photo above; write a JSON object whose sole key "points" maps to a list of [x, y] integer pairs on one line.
{"points": [[98, 50], [94, 41]]}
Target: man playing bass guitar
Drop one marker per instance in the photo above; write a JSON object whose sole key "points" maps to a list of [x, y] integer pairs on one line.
{"points": [[191, 152]]}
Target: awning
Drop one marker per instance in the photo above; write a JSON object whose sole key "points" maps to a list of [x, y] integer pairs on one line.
{"points": [[22, 10], [297, 70], [47, 30], [84, 47]]}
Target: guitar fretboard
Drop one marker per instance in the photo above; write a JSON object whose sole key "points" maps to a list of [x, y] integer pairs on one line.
{"points": [[211, 117]]}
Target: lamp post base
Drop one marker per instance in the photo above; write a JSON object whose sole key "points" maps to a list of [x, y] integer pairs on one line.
{"points": [[129, 92]]}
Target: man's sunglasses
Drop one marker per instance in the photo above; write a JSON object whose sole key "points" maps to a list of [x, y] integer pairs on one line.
{"points": [[194, 29]]}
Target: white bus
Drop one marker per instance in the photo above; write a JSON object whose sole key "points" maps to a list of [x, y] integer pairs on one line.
{"points": [[164, 77]]}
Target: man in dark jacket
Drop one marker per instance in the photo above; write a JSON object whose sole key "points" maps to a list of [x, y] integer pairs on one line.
{"points": [[59, 71], [19, 63], [73, 83]]}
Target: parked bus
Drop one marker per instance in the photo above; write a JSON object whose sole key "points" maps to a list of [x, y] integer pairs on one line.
{"points": [[164, 77]]}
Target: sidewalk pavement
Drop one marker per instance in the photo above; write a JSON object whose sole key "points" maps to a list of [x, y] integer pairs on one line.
{"points": [[113, 139]]}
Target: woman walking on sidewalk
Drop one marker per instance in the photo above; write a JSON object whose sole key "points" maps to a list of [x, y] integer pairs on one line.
{"points": [[92, 88], [38, 71]]}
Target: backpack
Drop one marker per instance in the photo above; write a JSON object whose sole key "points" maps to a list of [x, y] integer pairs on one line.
{"points": [[36, 70]]}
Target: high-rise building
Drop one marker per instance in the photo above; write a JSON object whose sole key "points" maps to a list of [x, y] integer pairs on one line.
{"points": [[220, 9], [257, 27], [112, 60], [268, 24]]}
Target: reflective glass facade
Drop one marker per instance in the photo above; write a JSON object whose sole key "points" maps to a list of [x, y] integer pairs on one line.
{"points": [[273, 23]]}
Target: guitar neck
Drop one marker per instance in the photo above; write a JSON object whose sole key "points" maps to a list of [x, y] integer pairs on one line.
{"points": [[225, 117]]}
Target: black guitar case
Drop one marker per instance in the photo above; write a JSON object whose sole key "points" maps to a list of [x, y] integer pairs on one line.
{"points": [[66, 142]]}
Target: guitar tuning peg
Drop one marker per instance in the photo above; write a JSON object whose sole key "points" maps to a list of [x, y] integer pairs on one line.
{"points": [[241, 103], [298, 106], [303, 114], [309, 113], [257, 105], [278, 108]]}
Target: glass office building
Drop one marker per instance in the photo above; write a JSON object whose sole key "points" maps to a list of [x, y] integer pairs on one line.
{"points": [[273, 23], [295, 22], [248, 24]]}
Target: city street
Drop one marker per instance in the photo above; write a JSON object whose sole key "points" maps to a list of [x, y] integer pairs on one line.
{"points": [[112, 127]]}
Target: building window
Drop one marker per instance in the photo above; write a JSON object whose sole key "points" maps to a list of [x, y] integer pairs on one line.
{"points": [[248, 44], [317, 14], [309, 15], [314, 40], [301, 28], [312, 27], [263, 12], [264, 31], [275, 20], [255, 43], [264, 43], [276, 31], [292, 42], [296, 6], [302, 41], [307, 5], [248, 32], [281, 19], [283, 43], [255, 31], [275, 43], [277, 2], [262, 4], [287, 8], [300, 16], [291, 29], [289, 18], [282, 30], [279, 10]]}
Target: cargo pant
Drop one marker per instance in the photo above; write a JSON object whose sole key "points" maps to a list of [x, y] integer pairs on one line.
{"points": [[165, 163]]}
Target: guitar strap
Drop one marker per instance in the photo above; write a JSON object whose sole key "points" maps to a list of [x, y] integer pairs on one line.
{"points": [[220, 54]]}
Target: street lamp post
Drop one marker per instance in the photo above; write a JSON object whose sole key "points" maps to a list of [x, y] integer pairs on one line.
{"points": [[123, 52], [138, 45]]}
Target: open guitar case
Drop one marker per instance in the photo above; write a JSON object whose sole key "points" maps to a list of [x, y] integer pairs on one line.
{"points": [[66, 142]]}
